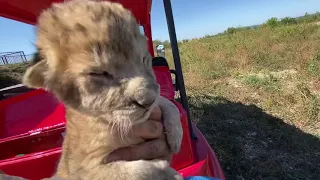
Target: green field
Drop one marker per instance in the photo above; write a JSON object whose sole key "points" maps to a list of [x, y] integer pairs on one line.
{"points": [[255, 94]]}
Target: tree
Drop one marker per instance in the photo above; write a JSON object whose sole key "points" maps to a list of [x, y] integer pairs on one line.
{"points": [[230, 30], [156, 42], [288, 21], [272, 22]]}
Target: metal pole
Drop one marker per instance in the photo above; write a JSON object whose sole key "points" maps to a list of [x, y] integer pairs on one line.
{"points": [[2, 58], [24, 57], [177, 63], [5, 59]]}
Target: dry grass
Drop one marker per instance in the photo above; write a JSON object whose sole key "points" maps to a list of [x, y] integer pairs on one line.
{"points": [[11, 74], [274, 68], [258, 94]]}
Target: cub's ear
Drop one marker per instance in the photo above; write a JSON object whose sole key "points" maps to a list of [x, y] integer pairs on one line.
{"points": [[34, 76]]}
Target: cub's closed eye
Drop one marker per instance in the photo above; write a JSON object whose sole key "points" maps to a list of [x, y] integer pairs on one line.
{"points": [[103, 74]]}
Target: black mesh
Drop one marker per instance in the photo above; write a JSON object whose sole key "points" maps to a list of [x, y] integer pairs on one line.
{"points": [[12, 57]]}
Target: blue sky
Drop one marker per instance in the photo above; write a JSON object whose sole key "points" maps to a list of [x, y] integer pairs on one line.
{"points": [[193, 18]]}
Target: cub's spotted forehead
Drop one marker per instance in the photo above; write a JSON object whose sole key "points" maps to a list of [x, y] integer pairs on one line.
{"points": [[80, 25]]}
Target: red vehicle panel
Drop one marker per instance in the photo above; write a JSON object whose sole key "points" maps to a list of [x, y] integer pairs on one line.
{"points": [[28, 114]]}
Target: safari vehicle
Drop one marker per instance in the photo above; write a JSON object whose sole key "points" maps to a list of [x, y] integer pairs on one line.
{"points": [[32, 121]]}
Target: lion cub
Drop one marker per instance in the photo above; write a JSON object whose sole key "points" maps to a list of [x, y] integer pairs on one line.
{"points": [[94, 59]]}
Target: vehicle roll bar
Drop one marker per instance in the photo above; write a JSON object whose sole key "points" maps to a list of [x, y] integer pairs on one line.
{"points": [[177, 63]]}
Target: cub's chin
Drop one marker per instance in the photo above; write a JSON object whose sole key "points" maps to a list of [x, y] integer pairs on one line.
{"points": [[132, 117]]}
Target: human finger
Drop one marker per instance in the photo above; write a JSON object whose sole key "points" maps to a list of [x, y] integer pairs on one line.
{"points": [[147, 151], [156, 114], [148, 130]]}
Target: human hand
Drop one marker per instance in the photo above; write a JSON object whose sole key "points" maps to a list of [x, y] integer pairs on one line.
{"points": [[156, 147]]}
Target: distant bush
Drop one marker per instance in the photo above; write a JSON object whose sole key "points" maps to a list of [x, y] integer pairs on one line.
{"points": [[307, 18], [157, 42], [185, 40], [166, 43], [288, 21], [231, 30], [12, 74], [272, 22]]}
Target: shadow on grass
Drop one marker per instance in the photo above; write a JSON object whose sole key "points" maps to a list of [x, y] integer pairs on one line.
{"points": [[252, 144]]}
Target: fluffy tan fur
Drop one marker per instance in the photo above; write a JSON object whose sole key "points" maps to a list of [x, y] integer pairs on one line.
{"points": [[94, 59]]}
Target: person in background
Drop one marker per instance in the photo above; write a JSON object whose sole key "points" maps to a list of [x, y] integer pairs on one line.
{"points": [[160, 50]]}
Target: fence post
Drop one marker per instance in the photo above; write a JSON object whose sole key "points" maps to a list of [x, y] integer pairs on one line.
{"points": [[25, 58], [3, 60]]}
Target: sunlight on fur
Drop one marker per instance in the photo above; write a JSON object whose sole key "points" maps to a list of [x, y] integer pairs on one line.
{"points": [[95, 60]]}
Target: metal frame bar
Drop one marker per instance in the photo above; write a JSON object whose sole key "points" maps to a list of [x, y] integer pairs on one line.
{"points": [[8, 53], [13, 91], [23, 55], [177, 62]]}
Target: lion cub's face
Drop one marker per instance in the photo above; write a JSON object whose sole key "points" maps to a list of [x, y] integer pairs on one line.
{"points": [[95, 60]]}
